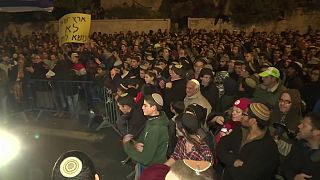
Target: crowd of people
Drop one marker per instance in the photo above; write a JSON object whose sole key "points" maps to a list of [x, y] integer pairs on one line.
{"points": [[194, 104]]}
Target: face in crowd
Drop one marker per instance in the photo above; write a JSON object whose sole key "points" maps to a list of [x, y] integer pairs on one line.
{"points": [[191, 88], [148, 109], [236, 114], [125, 109], [307, 130], [314, 75], [198, 66], [205, 80], [269, 81], [285, 103]]}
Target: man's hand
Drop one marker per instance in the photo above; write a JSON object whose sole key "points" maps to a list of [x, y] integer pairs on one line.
{"points": [[139, 146], [238, 163], [127, 138], [302, 176], [30, 69], [97, 61], [169, 85]]}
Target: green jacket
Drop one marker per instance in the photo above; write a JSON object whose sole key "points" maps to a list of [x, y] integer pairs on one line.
{"points": [[268, 97], [155, 138]]}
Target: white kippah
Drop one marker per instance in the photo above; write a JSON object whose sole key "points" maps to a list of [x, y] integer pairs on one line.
{"points": [[195, 81], [70, 167], [157, 98]]}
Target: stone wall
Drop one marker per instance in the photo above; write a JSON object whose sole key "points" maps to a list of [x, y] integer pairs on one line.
{"points": [[104, 26], [153, 4], [298, 21]]}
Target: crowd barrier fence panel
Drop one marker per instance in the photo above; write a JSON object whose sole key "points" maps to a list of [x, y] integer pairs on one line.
{"points": [[77, 98]]}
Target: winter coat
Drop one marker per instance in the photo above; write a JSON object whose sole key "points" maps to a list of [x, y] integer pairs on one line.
{"points": [[260, 156], [174, 94], [136, 121], [199, 99], [267, 96], [155, 138], [302, 159], [310, 94], [290, 119], [211, 93]]}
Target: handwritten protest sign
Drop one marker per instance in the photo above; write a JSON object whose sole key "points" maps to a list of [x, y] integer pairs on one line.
{"points": [[74, 27]]}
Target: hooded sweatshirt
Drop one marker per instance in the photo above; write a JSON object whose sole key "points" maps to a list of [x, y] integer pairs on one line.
{"points": [[291, 119], [155, 138]]}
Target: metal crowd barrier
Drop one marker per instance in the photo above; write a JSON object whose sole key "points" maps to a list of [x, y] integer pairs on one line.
{"points": [[76, 98]]}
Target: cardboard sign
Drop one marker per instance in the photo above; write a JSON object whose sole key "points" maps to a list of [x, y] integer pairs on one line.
{"points": [[74, 27]]}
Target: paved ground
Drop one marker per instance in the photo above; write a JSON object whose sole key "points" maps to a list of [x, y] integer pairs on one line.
{"points": [[43, 142]]}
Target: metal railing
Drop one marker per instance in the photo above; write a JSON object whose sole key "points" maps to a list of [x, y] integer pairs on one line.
{"points": [[76, 98]]}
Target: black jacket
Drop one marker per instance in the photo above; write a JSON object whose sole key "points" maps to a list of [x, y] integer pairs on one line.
{"points": [[211, 93], [260, 157], [300, 160], [310, 94], [136, 121], [174, 94]]}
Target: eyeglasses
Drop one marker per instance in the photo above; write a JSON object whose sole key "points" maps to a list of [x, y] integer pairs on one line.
{"points": [[285, 101]]}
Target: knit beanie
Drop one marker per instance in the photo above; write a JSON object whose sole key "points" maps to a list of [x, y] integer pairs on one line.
{"points": [[260, 111], [242, 103]]}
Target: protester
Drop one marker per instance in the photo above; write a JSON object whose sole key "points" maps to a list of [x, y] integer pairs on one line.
{"points": [[132, 115], [285, 119], [269, 91], [249, 152], [151, 146], [230, 63], [303, 161], [194, 96], [74, 165], [240, 107], [208, 88], [190, 144]]}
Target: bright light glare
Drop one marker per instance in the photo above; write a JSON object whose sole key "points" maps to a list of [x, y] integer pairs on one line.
{"points": [[9, 147]]}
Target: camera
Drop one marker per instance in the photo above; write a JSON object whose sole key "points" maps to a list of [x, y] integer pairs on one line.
{"points": [[282, 128]]}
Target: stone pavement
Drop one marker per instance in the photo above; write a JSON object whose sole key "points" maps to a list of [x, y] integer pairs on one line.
{"points": [[43, 142]]}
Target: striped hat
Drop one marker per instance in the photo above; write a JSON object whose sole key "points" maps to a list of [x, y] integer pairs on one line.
{"points": [[260, 110]]}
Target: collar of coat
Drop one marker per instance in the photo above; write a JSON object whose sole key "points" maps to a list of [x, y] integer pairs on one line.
{"points": [[273, 89]]}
